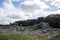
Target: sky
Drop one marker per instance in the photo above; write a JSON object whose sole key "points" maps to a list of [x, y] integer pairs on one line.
{"points": [[14, 10]]}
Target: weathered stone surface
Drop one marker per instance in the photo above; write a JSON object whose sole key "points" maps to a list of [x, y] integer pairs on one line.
{"points": [[43, 25]]}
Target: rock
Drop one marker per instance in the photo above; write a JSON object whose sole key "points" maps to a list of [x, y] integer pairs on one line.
{"points": [[43, 25]]}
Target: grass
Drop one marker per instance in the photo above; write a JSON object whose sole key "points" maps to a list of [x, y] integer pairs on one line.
{"points": [[55, 38], [18, 37]]}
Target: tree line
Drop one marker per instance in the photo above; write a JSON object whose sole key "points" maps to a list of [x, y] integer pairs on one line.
{"points": [[53, 20]]}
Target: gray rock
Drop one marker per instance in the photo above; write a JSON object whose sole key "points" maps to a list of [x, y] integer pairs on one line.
{"points": [[43, 25]]}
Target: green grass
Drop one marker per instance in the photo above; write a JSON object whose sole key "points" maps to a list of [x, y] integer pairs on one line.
{"points": [[55, 38], [18, 37]]}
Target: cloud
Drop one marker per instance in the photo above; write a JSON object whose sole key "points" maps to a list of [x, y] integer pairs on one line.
{"points": [[33, 4], [29, 8], [56, 3], [52, 8], [15, 10], [13, 16]]}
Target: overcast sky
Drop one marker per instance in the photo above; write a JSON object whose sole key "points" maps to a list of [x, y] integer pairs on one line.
{"points": [[13, 10]]}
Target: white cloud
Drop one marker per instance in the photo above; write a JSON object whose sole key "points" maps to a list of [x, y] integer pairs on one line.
{"points": [[10, 10], [46, 0], [56, 3], [46, 13], [8, 5], [35, 2], [27, 10]]}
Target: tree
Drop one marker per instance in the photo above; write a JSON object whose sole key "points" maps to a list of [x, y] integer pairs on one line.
{"points": [[53, 20]]}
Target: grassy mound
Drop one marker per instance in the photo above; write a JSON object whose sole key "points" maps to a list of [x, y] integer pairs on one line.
{"points": [[18, 37]]}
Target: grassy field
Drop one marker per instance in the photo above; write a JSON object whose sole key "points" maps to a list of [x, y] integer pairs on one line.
{"points": [[18, 37], [55, 38]]}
